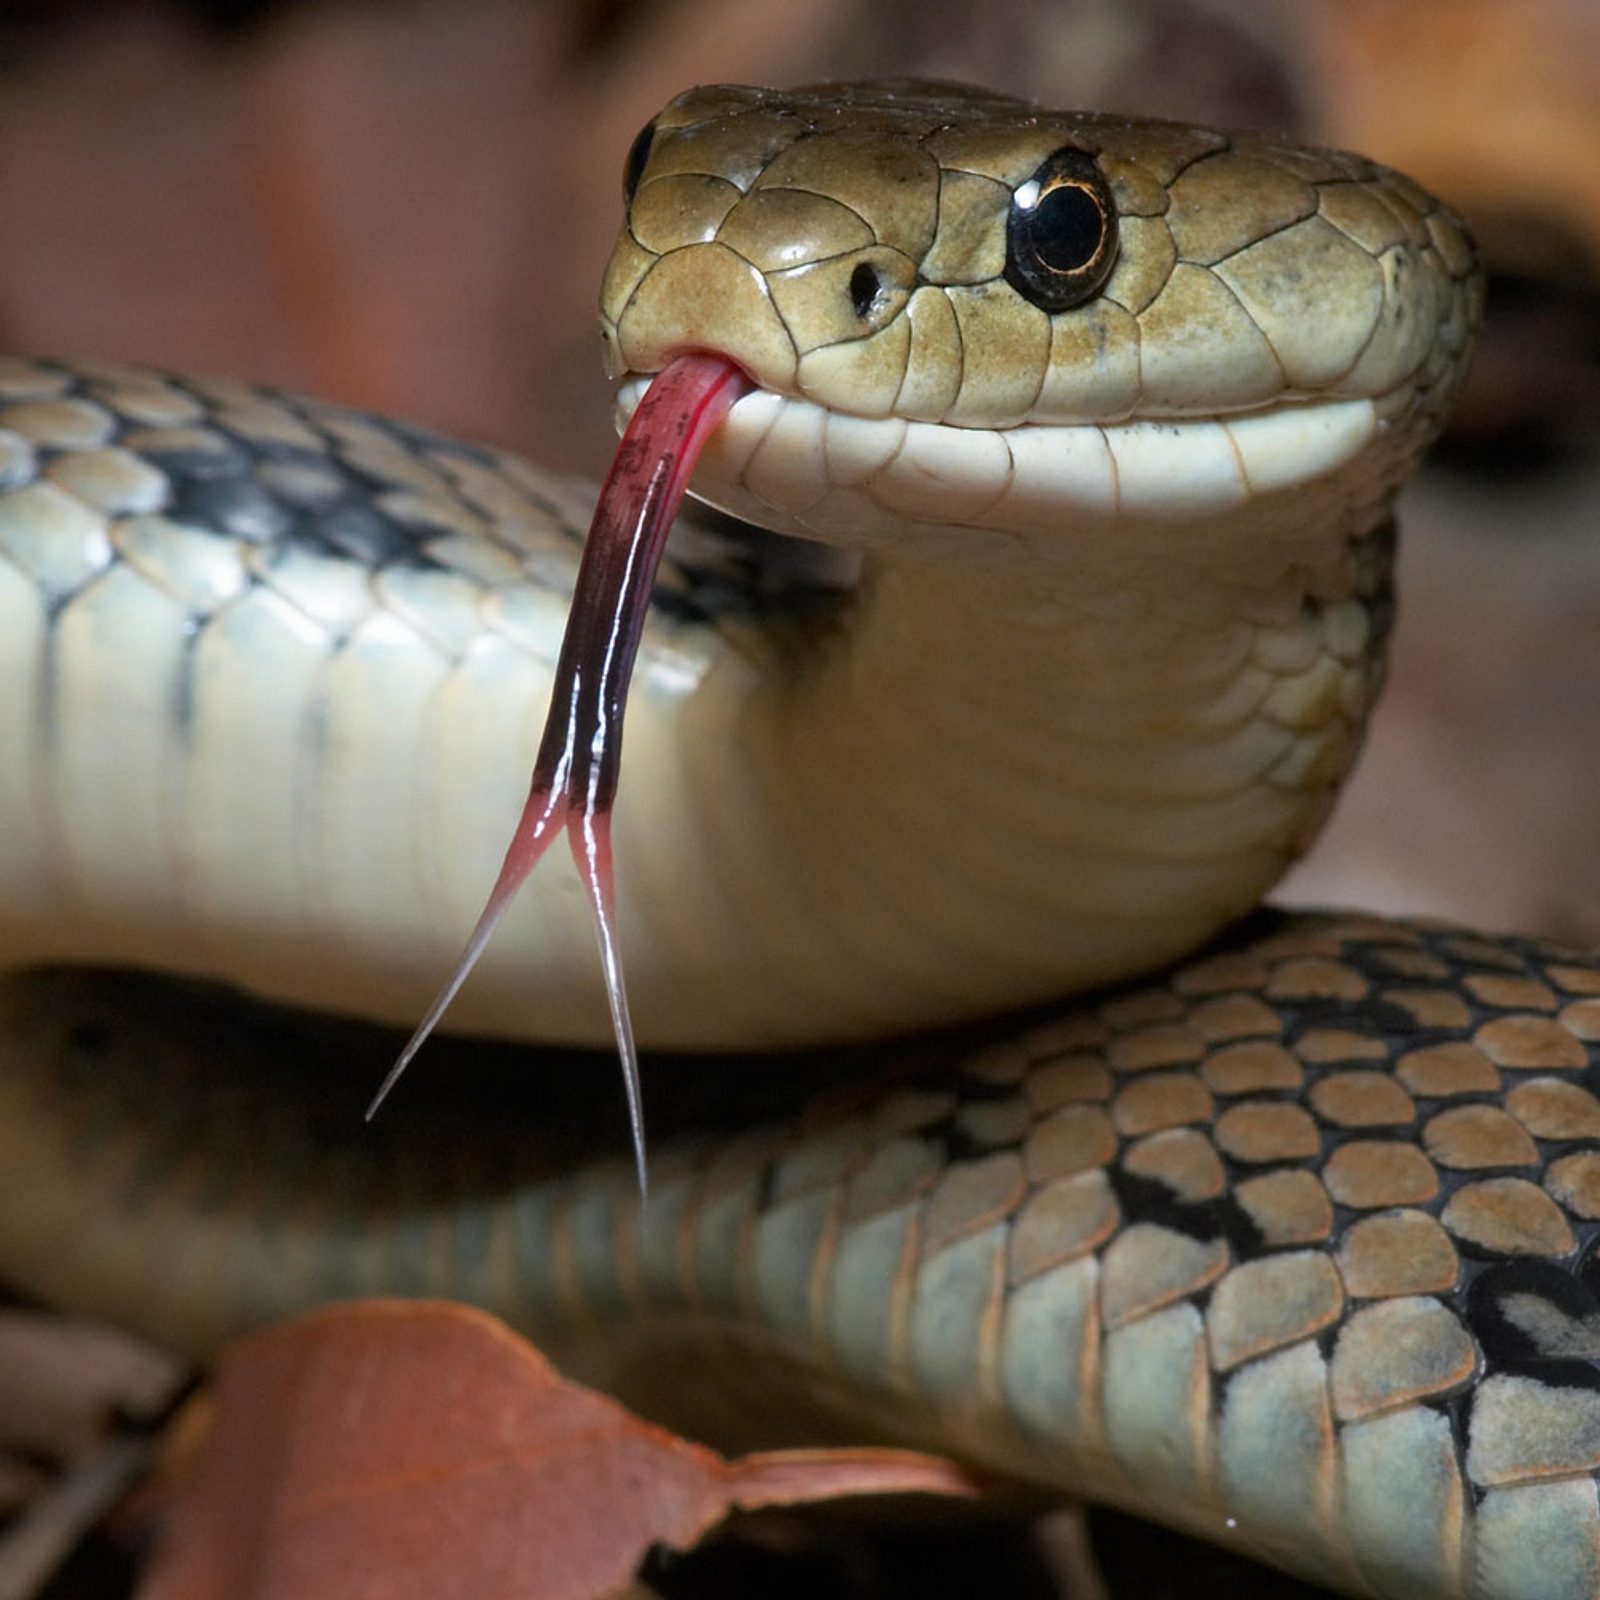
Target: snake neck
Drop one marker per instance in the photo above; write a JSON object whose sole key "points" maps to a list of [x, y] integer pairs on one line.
{"points": [[1048, 773], [989, 778]]}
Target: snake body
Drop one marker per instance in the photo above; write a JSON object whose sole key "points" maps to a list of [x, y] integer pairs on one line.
{"points": [[1288, 1245]]}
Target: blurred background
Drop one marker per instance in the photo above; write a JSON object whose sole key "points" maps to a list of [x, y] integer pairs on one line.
{"points": [[407, 205]]}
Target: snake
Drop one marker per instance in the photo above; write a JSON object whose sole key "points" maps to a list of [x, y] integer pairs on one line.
{"points": [[990, 1109]]}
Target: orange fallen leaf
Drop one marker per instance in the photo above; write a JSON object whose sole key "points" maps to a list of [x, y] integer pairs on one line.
{"points": [[402, 1448]]}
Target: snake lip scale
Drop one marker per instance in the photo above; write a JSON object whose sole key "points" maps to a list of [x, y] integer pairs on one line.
{"points": [[1283, 1231]]}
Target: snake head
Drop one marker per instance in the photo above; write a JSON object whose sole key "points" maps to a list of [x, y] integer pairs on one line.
{"points": [[1003, 300]]}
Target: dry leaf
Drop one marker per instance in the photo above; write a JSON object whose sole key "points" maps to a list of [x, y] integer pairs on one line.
{"points": [[62, 1380], [392, 1449]]}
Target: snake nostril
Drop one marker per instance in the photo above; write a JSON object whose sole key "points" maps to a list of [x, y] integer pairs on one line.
{"points": [[864, 289]]}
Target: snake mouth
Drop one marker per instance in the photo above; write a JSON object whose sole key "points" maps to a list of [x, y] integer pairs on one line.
{"points": [[798, 467]]}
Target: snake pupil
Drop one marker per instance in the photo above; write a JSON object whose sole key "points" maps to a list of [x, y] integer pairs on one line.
{"points": [[1061, 235], [1066, 228]]}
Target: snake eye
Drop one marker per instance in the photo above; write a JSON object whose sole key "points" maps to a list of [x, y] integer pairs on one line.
{"points": [[1061, 234], [638, 155]]}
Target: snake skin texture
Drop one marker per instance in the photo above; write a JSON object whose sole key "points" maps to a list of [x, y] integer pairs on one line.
{"points": [[238, 627], [1293, 1247], [1286, 257]]}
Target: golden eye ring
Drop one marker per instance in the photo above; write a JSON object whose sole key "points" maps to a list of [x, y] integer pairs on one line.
{"points": [[1061, 233]]}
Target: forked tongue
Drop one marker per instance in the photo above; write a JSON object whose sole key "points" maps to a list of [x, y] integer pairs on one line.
{"points": [[575, 774]]}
